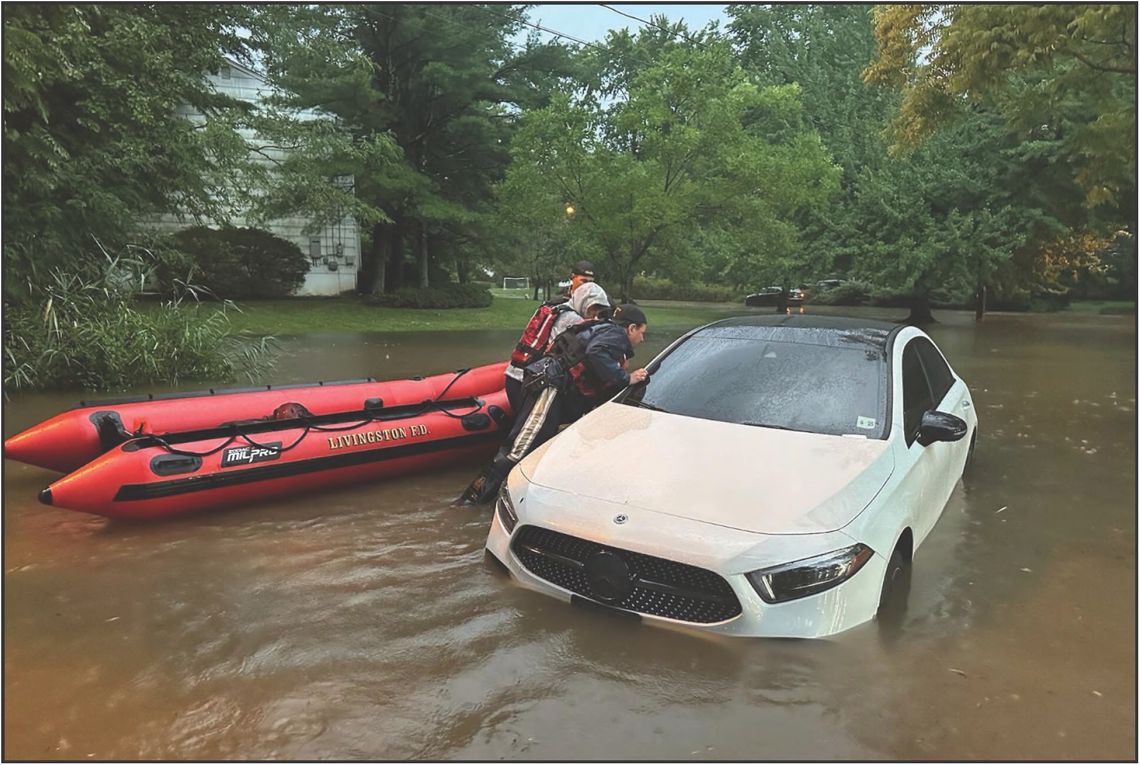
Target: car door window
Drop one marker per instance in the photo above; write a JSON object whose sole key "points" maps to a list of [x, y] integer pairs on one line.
{"points": [[916, 392], [937, 371]]}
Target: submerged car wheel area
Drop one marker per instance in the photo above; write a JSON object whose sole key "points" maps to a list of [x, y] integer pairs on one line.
{"points": [[775, 478]]}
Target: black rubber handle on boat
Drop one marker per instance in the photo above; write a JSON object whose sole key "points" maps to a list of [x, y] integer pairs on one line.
{"points": [[458, 373]]}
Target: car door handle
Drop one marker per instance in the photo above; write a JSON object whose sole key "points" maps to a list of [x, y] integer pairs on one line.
{"points": [[965, 404]]}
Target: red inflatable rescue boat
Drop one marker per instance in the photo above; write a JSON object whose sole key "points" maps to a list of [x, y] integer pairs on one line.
{"points": [[156, 476], [75, 437], [152, 456]]}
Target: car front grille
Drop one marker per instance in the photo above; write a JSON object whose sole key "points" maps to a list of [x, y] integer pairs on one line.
{"points": [[641, 583]]}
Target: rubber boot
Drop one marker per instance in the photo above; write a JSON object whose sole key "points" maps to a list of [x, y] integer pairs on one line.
{"points": [[485, 487]]}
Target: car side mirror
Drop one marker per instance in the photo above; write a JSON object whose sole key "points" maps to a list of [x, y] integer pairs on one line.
{"points": [[940, 426]]}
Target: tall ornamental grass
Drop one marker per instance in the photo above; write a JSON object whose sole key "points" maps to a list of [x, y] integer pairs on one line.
{"points": [[85, 329]]}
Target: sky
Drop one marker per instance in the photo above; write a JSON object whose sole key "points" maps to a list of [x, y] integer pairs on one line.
{"points": [[590, 22]]}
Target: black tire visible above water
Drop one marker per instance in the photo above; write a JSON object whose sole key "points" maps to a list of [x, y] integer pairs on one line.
{"points": [[968, 468], [896, 587]]}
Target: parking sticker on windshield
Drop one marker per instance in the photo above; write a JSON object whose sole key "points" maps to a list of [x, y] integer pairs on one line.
{"points": [[866, 423]]}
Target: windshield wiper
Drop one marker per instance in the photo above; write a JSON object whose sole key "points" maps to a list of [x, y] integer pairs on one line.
{"points": [[653, 407], [774, 426]]}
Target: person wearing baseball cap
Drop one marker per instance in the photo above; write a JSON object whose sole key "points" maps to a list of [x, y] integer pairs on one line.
{"points": [[582, 272], [608, 352]]}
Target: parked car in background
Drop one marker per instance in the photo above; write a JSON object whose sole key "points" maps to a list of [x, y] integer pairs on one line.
{"points": [[775, 477], [771, 296], [828, 284]]}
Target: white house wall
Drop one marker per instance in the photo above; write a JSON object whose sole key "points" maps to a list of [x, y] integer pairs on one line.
{"points": [[323, 278]]}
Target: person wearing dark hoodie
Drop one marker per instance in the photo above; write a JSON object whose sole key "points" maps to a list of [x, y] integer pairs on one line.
{"points": [[589, 363]]}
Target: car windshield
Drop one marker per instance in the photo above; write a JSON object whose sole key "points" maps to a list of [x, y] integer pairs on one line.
{"points": [[835, 390]]}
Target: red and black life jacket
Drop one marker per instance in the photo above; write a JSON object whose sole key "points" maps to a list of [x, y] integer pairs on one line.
{"points": [[535, 339]]}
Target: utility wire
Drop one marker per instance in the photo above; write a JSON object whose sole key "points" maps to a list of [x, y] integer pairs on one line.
{"points": [[650, 24], [517, 46], [541, 28]]}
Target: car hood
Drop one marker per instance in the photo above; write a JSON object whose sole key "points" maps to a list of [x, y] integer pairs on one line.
{"points": [[755, 479]]}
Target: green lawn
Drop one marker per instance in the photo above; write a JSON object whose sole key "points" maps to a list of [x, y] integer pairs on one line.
{"points": [[1106, 307], [297, 316]]}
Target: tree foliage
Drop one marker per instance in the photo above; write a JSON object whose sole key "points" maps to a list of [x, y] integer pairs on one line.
{"points": [[1057, 72], [980, 199], [687, 142], [94, 136], [439, 82], [925, 150]]}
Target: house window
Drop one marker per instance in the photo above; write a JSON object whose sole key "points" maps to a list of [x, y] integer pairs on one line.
{"points": [[226, 72]]}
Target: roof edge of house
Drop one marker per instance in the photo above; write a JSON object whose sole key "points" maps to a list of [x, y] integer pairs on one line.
{"points": [[245, 69]]}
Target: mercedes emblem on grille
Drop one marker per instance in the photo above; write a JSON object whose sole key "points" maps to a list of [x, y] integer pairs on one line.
{"points": [[608, 576], [620, 519]]}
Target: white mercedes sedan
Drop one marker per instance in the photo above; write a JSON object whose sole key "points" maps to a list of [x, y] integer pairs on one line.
{"points": [[774, 478]]}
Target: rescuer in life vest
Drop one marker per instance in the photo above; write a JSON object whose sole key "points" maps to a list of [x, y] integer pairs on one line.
{"points": [[588, 301], [586, 365]]}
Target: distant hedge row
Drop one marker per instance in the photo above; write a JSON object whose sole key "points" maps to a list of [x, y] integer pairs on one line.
{"points": [[443, 296], [645, 288]]}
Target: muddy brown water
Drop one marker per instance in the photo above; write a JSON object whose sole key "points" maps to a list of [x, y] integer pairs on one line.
{"points": [[362, 623]]}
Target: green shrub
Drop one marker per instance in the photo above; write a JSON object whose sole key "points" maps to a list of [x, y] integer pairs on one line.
{"points": [[243, 262], [647, 288], [1050, 300], [83, 330], [172, 269], [848, 293], [448, 296]]}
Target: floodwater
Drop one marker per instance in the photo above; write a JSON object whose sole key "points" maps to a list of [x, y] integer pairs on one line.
{"points": [[362, 623]]}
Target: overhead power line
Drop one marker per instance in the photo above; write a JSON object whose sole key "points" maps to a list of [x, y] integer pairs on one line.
{"points": [[541, 28], [650, 24], [516, 46]]}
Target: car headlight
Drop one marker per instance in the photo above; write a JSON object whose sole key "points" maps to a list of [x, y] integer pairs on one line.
{"points": [[809, 576], [505, 509]]}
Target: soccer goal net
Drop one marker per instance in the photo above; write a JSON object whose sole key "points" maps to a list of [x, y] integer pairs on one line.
{"points": [[516, 282]]}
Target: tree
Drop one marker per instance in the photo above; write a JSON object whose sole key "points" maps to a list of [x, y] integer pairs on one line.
{"points": [[977, 201], [1063, 72], [442, 82], [691, 143], [93, 138], [821, 49]]}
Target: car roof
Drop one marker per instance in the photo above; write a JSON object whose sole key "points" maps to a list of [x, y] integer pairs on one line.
{"points": [[811, 329]]}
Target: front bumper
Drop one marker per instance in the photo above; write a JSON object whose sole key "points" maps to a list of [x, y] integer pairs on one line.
{"points": [[728, 553]]}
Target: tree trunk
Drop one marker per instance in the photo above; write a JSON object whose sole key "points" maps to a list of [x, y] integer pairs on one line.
{"points": [[373, 271], [980, 303], [462, 269], [626, 291], [395, 256], [422, 253], [920, 311]]}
